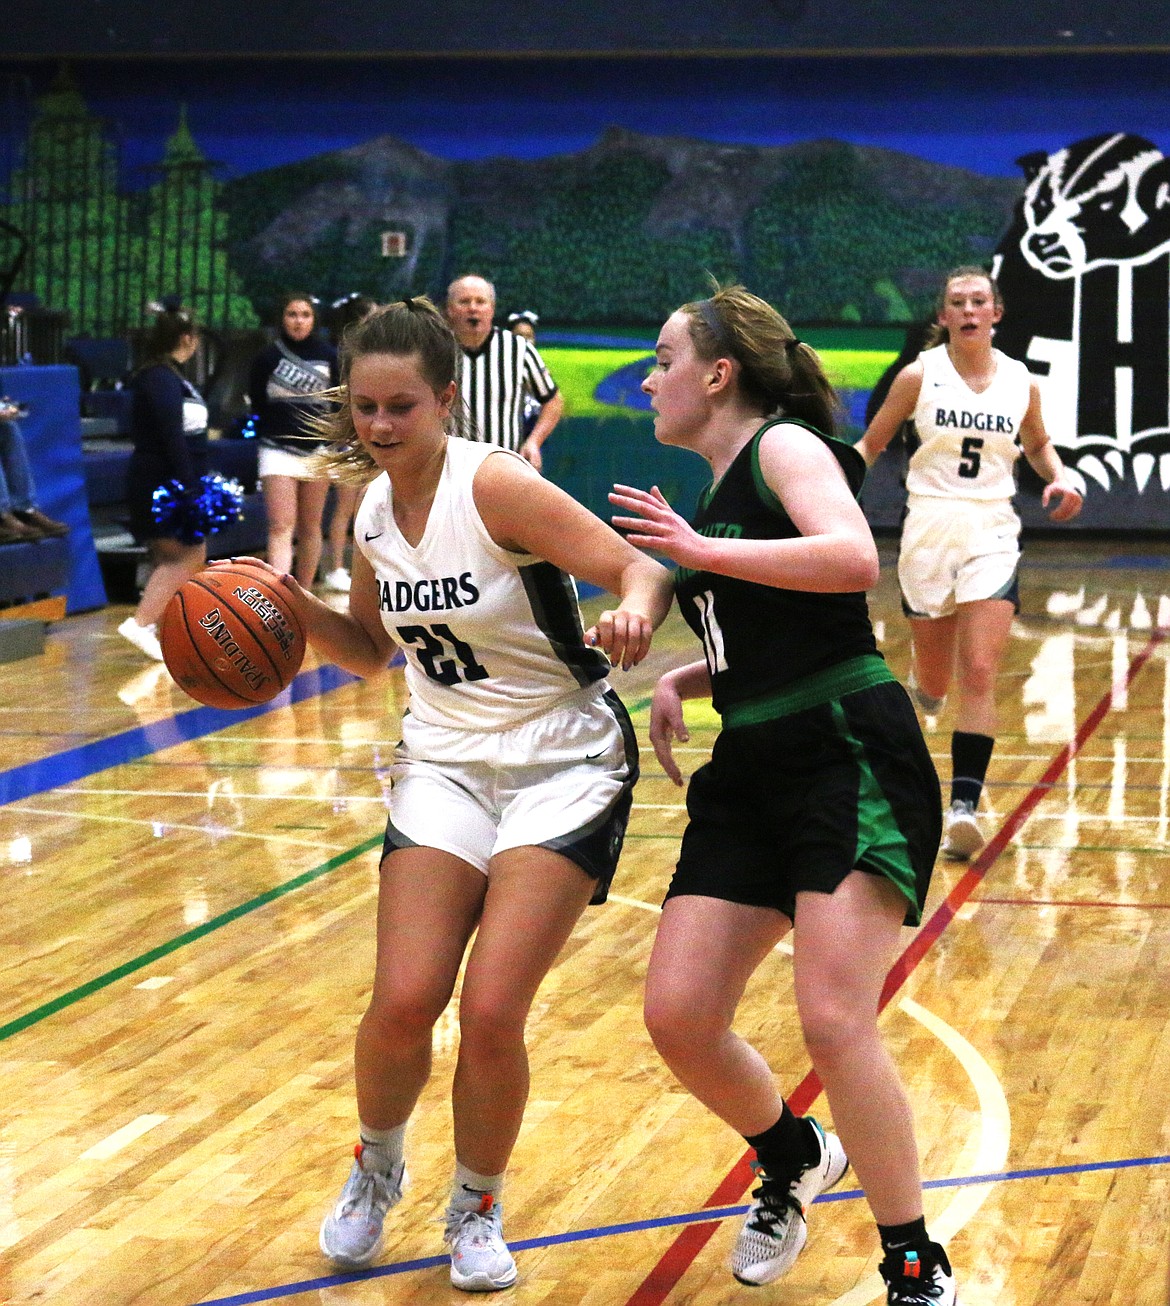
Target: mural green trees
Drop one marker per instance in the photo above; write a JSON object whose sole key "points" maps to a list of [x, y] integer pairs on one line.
{"points": [[183, 238], [100, 254], [835, 240], [64, 198], [616, 235]]}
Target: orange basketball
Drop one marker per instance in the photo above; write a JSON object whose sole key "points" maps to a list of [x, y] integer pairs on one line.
{"points": [[231, 636]]}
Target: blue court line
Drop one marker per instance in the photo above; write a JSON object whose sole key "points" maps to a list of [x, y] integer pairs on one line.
{"points": [[133, 745], [705, 1216], [1122, 562]]}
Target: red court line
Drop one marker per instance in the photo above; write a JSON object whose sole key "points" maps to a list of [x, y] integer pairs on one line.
{"points": [[678, 1257], [1073, 902]]}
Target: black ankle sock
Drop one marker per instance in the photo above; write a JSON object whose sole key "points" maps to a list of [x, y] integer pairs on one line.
{"points": [[970, 756], [788, 1147], [902, 1237]]}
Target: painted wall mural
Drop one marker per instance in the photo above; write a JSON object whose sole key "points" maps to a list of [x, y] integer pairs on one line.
{"points": [[603, 196], [1085, 271]]}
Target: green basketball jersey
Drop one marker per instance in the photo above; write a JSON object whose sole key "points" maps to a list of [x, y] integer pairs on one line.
{"points": [[759, 639]]}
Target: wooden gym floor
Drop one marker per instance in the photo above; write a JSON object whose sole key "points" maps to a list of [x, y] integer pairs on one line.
{"points": [[187, 944]]}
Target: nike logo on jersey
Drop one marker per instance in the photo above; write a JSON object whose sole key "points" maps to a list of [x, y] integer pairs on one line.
{"points": [[376, 536], [592, 757]]}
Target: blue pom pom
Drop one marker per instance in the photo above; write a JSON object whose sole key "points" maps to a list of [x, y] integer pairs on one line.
{"points": [[190, 516]]}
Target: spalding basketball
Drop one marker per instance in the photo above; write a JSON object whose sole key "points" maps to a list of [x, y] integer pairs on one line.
{"points": [[231, 636]]}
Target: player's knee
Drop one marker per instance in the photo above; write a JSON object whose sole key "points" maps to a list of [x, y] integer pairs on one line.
{"points": [[489, 1025], [406, 1015], [679, 1029], [833, 1030], [978, 675]]}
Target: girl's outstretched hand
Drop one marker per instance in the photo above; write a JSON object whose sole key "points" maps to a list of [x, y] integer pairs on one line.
{"points": [[667, 725], [657, 526]]}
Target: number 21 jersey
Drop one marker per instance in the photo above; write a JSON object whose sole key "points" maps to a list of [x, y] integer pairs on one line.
{"points": [[491, 638], [969, 440]]}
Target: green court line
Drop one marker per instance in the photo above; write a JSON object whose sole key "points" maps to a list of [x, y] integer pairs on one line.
{"points": [[64, 1000], [180, 941]]}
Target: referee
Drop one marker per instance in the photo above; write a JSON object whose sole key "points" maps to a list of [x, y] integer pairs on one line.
{"points": [[499, 367]]}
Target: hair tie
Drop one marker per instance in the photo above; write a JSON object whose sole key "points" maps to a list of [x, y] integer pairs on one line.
{"points": [[794, 343], [714, 323]]}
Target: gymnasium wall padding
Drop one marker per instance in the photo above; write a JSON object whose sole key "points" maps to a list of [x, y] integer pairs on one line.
{"points": [[52, 434]]}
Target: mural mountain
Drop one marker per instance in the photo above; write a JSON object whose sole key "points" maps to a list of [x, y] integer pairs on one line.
{"points": [[624, 231]]}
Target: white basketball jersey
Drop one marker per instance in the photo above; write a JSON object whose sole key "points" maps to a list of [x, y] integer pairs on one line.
{"points": [[969, 441], [491, 638]]}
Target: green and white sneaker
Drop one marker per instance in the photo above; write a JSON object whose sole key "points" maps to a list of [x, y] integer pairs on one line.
{"points": [[351, 1234]]}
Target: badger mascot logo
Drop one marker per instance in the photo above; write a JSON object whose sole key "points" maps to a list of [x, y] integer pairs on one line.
{"points": [[1085, 272]]}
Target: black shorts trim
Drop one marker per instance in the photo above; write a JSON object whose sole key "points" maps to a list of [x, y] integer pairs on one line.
{"points": [[597, 846]]}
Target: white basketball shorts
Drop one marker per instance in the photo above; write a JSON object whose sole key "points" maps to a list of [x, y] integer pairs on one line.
{"points": [[272, 461], [563, 781], [957, 551]]}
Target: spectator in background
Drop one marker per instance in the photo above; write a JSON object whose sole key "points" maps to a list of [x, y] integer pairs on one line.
{"points": [[913, 343], [168, 422], [343, 313], [524, 324], [498, 369], [286, 377], [21, 521]]}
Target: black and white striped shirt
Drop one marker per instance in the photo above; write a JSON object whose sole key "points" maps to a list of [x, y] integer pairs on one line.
{"points": [[493, 383]]}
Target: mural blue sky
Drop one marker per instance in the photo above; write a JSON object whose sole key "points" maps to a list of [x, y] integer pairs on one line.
{"points": [[979, 113]]}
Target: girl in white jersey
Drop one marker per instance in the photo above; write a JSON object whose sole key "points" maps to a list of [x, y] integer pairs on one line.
{"points": [[513, 782], [975, 409]]}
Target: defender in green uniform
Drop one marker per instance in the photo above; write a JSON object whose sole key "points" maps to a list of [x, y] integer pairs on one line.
{"points": [[819, 811], [806, 755]]}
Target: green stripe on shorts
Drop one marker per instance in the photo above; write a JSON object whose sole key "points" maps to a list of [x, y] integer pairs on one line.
{"points": [[811, 691], [881, 845]]}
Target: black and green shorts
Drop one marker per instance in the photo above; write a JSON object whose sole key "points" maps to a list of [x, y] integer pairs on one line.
{"points": [[796, 800]]}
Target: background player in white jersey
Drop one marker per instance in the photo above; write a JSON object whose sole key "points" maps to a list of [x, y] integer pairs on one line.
{"points": [[513, 784], [975, 409]]}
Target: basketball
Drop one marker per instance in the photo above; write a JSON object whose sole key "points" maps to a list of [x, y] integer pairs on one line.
{"points": [[231, 636]]}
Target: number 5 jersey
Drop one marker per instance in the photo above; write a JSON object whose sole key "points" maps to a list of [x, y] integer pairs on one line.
{"points": [[969, 441], [491, 638]]}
